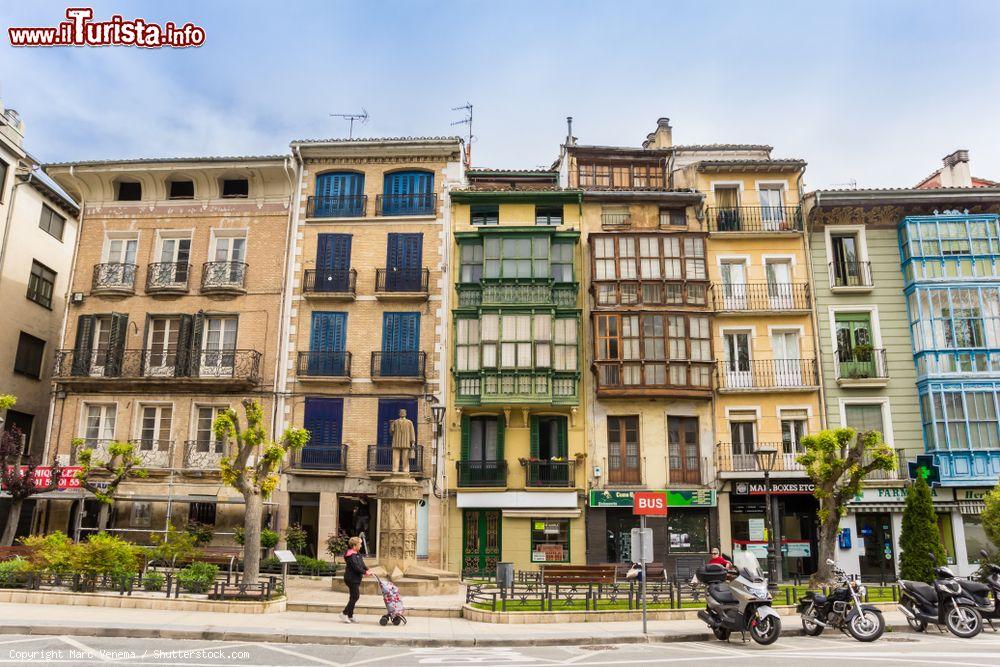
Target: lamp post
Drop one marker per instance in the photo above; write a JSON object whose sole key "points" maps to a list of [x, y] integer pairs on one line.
{"points": [[766, 455]]}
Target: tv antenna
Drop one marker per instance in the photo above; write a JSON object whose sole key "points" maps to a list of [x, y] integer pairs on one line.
{"points": [[351, 117], [467, 107]]}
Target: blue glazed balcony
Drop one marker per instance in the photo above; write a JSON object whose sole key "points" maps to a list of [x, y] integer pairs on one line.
{"points": [[968, 467]]}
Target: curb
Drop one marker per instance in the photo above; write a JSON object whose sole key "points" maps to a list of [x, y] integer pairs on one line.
{"points": [[346, 640]]}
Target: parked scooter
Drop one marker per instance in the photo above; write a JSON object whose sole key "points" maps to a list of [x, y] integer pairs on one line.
{"points": [[742, 605], [986, 604], [843, 609], [945, 603]]}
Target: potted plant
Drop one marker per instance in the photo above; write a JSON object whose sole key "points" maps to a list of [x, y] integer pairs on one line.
{"points": [[336, 545]]}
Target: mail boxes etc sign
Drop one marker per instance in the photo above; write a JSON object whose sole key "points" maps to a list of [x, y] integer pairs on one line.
{"points": [[625, 499]]}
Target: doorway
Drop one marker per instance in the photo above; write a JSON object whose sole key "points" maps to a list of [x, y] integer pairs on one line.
{"points": [[481, 542], [875, 533], [303, 509], [357, 516]]}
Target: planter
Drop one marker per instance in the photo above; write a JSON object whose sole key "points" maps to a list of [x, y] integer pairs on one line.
{"points": [[140, 601]]}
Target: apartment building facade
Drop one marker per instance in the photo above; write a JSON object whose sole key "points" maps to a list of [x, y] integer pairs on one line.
{"points": [[174, 310], [516, 425], [38, 228], [366, 320]]}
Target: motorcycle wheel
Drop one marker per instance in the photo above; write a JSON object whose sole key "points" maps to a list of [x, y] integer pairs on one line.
{"points": [[867, 625], [721, 634], [915, 624], [766, 630], [810, 627], [964, 622]]}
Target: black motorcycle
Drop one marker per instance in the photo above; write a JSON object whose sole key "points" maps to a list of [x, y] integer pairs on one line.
{"points": [[945, 603], [985, 595], [842, 609]]}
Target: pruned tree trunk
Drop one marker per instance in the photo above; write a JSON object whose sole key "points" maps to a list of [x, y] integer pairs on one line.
{"points": [[102, 517], [251, 536], [13, 517], [827, 539]]}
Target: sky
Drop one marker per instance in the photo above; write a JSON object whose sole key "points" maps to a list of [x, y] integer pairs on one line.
{"points": [[873, 93]]}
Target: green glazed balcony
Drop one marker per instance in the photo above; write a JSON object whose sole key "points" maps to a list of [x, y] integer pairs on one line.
{"points": [[509, 386], [517, 292]]}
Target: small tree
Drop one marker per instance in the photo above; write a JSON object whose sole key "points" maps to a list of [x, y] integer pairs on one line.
{"points": [[991, 516], [920, 548], [835, 460], [255, 480], [121, 465], [17, 477]]}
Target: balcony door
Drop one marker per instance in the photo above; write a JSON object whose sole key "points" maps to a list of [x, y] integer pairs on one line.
{"points": [[623, 450], [793, 428], [101, 342], [787, 358], [779, 284], [742, 431], [400, 344], [727, 203], [408, 193], [161, 346], [737, 363], [682, 443], [324, 419], [205, 441], [548, 448], [482, 452], [339, 194], [99, 424], [734, 282], [404, 262], [855, 355], [175, 255], [333, 263], [481, 539], [218, 355], [846, 269], [121, 251], [772, 210], [864, 417], [327, 343], [154, 434]]}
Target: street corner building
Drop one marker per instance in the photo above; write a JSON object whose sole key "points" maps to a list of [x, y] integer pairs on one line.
{"points": [[175, 301]]}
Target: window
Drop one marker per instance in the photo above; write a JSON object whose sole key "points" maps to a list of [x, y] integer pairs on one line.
{"points": [[204, 435], [565, 343], [846, 268], [235, 188], [3, 180], [562, 262], [483, 439], [687, 531], [672, 217], [154, 434], [742, 427], [181, 190], [657, 340], [52, 222], [99, 423], [549, 541], [28, 360], [521, 257], [632, 270], [230, 247], [121, 250], [471, 263], [22, 421], [129, 191], [793, 429], [40, 284], [161, 345], [485, 214], [623, 450], [467, 345], [202, 513], [548, 215], [142, 514], [515, 348]]}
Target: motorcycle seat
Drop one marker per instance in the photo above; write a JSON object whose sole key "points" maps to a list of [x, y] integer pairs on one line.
{"points": [[925, 591], [975, 588], [819, 598], [721, 593]]}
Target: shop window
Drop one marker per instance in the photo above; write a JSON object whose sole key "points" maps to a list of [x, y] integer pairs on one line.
{"points": [[975, 536], [549, 541], [142, 515], [687, 532]]}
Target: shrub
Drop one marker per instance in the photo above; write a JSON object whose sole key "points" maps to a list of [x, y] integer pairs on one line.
{"points": [[311, 566], [52, 553], [104, 554], [920, 540], [268, 537], [336, 545], [197, 577], [153, 581], [202, 533], [296, 538], [173, 546], [991, 516], [11, 570], [271, 562]]}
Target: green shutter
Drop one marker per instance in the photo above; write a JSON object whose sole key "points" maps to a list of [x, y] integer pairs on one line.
{"points": [[466, 428], [534, 437], [563, 437], [501, 425]]}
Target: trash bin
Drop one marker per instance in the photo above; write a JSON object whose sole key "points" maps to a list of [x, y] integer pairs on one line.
{"points": [[505, 576]]}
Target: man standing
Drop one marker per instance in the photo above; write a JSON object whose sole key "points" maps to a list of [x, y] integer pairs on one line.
{"points": [[404, 438]]}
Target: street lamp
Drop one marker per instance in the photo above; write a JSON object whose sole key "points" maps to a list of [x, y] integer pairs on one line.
{"points": [[766, 455], [437, 417]]}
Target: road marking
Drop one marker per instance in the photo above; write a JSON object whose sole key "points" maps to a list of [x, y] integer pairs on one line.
{"points": [[26, 639], [280, 649], [91, 653]]}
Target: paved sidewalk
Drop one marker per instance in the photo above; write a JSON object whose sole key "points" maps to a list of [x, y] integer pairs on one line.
{"points": [[321, 628], [315, 595]]}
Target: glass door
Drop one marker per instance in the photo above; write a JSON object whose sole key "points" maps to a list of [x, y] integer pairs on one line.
{"points": [[101, 342], [875, 533], [743, 442], [787, 359], [174, 257], [738, 373], [734, 282], [855, 354], [219, 349], [779, 285], [771, 210], [161, 352], [682, 443], [845, 260]]}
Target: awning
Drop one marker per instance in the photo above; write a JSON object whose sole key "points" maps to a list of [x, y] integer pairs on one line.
{"points": [[542, 514], [971, 507], [876, 507]]}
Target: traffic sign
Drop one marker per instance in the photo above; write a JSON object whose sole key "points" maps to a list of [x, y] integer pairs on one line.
{"points": [[642, 545], [650, 503]]}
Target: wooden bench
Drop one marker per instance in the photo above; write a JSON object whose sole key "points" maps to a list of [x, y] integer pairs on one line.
{"points": [[10, 553], [578, 574]]}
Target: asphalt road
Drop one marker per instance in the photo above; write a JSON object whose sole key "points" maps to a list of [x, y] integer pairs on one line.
{"points": [[893, 649]]}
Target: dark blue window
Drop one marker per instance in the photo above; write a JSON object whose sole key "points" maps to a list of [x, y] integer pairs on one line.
{"points": [[388, 409], [404, 260], [339, 194], [400, 344], [333, 263], [324, 419], [408, 193], [327, 343]]}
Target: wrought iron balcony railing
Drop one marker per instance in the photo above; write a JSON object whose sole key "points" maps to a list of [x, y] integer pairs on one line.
{"points": [[321, 457], [114, 277], [399, 365], [99, 447], [850, 273], [901, 471], [409, 204], [482, 473], [167, 277], [755, 219], [340, 206], [330, 282], [769, 374], [642, 376], [154, 453], [410, 281], [380, 459], [237, 365], [203, 454], [861, 363], [760, 297], [550, 473], [741, 458], [324, 364], [223, 277]]}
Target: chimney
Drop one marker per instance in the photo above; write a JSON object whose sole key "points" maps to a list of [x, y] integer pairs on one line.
{"points": [[956, 173], [662, 137], [11, 125], [570, 139]]}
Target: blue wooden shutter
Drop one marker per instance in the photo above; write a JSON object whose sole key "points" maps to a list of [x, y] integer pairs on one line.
{"points": [[388, 409], [408, 193], [327, 343], [339, 194], [404, 258], [333, 262], [400, 344], [324, 419]]}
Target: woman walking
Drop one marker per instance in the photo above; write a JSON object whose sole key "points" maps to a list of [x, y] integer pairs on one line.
{"points": [[354, 571]]}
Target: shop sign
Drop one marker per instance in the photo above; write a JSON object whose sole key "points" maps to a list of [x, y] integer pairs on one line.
{"points": [[975, 495], [890, 494], [777, 488], [796, 549], [548, 553], [43, 477], [756, 528], [758, 549], [675, 498]]}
